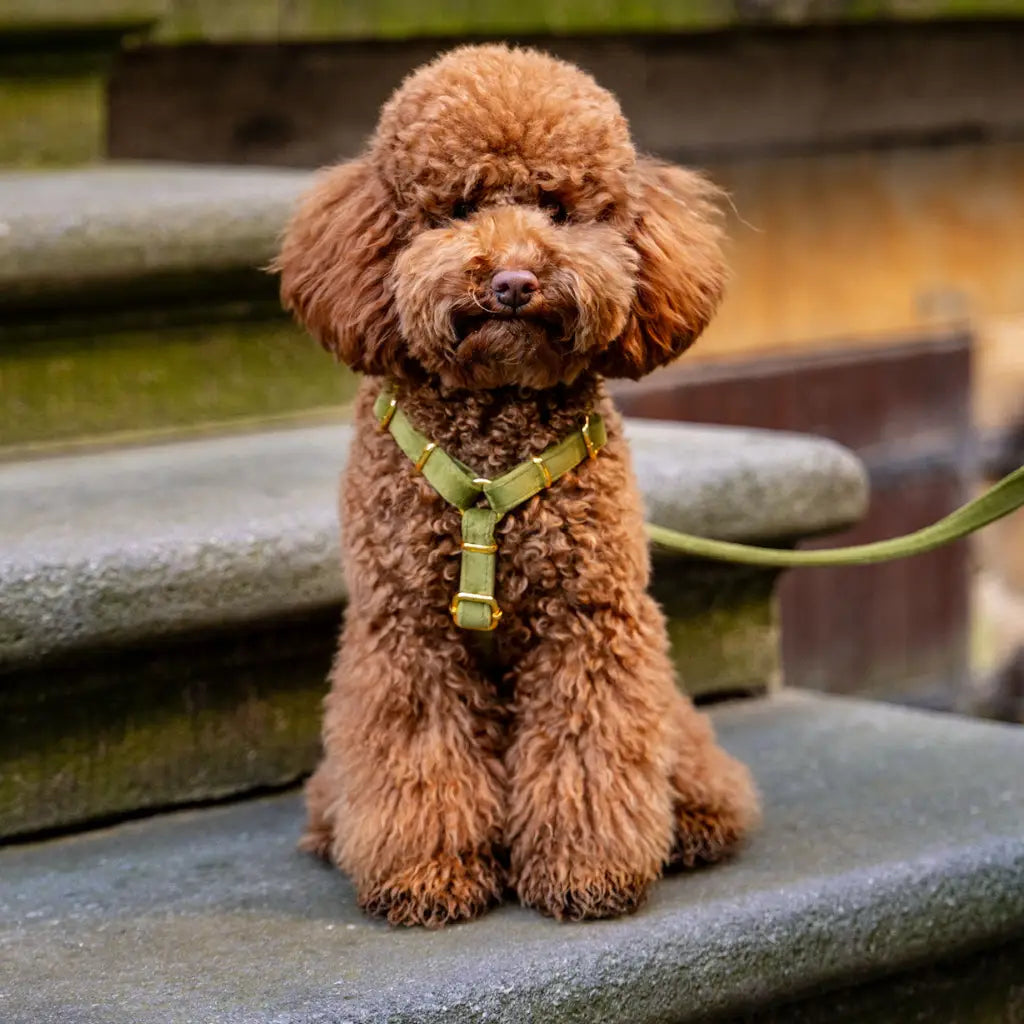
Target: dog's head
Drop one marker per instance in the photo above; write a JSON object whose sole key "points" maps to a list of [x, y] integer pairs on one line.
{"points": [[499, 230]]}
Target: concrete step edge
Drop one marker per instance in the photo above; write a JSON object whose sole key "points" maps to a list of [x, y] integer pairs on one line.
{"points": [[117, 233], [122, 546]]}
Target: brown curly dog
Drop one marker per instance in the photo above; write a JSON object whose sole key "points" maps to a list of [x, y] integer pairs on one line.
{"points": [[496, 252]]}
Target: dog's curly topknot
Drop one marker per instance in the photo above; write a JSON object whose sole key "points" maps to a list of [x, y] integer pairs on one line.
{"points": [[565, 763]]}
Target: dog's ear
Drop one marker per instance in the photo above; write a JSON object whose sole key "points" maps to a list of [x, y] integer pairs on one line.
{"points": [[334, 261], [681, 273]]}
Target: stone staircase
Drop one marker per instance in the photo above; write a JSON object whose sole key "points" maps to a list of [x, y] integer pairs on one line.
{"points": [[169, 596], [167, 614]]}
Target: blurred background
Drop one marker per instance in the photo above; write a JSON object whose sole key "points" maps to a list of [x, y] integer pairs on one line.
{"points": [[874, 153]]}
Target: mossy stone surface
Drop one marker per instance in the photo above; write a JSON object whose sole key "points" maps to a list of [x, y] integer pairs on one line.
{"points": [[154, 380], [51, 120], [723, 625], [395, 19], [50, 17], [194, 719], [135, 300]]}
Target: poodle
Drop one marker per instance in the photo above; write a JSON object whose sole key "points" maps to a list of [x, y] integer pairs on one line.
{"points": [[497, 251]]}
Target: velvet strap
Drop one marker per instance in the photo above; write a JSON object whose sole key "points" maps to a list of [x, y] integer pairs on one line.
{"points": [[475, 606]]}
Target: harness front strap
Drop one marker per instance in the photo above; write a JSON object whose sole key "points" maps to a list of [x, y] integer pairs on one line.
{"points": [[474, 606]]}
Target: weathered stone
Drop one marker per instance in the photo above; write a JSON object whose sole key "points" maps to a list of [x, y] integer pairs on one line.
{"points": [[723, 625], [225, 531], [103, 379], [114, 235], [54, 63], [151, 278], [198, 717], [892, 840], [980, 988], [50, 17], [56, 119], [688, 97], [323, 19]]}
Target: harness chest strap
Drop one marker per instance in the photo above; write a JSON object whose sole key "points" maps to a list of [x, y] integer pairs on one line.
{"points": [[475, 606]]}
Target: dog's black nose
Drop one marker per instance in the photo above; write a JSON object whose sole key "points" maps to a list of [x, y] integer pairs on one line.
{"points": [[513, 288]]}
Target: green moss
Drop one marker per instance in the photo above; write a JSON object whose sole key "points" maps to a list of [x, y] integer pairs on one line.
{"points": [[48, 16], [371, 19], [723, 627], [162, 378], [153, 728], [54, 121]]}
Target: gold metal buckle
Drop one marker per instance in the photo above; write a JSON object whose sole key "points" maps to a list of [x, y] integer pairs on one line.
{"points": [[424, 455], [385, 420], [545, 473], [480, 549], [585, 431], [479, 599]]}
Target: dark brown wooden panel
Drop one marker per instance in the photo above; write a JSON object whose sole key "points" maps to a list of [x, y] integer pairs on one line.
{"points": [[696, 98], [899, 629]]}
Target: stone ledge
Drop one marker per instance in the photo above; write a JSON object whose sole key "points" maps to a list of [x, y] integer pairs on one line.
{"points": [[48, 17], [140, 230], [892, 840], [297, 20], [124, 546]]}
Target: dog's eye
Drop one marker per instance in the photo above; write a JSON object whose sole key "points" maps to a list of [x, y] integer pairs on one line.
{"points": [[555, 207], [463, 209]]}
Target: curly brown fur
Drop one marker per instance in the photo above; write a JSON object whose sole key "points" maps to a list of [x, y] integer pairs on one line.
{"points": [[566, 763]]}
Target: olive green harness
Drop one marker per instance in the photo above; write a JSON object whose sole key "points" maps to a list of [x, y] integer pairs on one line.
{"points": [[475, 607]]}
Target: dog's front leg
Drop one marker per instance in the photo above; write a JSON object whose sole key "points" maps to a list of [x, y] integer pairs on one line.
{"points": [[590, 805], [409, 799]]}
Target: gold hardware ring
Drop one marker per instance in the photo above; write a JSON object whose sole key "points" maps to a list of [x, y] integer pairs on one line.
{"points": [[480, 549], [545, 473], [385, 420], [585, 430], [428, 448], [478, 599]]}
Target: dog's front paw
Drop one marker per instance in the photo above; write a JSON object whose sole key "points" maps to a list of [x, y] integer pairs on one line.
{"points": [[438, 892], [576, 892], [704, 836], [710, 829]]}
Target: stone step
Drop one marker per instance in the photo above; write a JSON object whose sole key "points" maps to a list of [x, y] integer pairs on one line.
{"points": [[192, 591], [134, 298], [886, 885], [308, 20]]}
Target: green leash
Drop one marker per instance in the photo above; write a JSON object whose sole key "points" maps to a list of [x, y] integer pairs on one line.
{"points": [[1000, 500], [475, 606]]}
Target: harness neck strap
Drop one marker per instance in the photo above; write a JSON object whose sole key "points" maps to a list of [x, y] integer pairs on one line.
{"points": [[474, 606]]}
